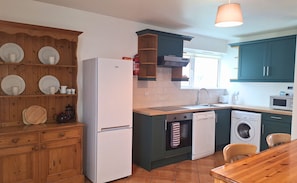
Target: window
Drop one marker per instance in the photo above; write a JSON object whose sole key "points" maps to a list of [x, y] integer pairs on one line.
{"points": [[202, 70]]}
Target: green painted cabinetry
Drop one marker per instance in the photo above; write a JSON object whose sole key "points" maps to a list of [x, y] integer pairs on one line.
{"points": [[149, 149], [223, 126], [269, 60], [153, 43], [251, 61], [274, 123]]}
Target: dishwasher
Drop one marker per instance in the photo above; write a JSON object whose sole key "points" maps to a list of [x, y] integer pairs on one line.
{"points": [[203, 134]]}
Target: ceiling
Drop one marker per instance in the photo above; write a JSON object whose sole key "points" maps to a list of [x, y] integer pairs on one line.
{"points": [[195, 16]]}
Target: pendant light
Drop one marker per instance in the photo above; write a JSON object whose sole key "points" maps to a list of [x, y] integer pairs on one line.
{"points": [[229, 15]]}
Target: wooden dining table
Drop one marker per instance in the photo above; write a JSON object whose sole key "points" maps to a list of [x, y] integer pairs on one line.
{"points": [[274, 165]]}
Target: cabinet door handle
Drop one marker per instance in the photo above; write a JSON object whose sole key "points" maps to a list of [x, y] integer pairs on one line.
{"points": [[165, 122], [276, 117], [264, 70], [15, 140], [43, 146], [267, 71], [262, 129]]}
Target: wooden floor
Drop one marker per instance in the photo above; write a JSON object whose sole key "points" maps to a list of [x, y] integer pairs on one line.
{"points": [[188, 171]]}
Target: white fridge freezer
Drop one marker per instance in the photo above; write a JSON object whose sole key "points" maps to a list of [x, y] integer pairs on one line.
{"points": [[107, 114]]}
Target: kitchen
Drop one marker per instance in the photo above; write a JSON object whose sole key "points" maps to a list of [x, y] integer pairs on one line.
{"points": [[90, 45]]}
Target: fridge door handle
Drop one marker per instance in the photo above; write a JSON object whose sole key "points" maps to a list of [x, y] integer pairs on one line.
{"points": [[115, 128]]}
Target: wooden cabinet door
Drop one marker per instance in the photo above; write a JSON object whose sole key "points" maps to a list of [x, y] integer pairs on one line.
{"points": [[271, 60], [282, 60], [168, 45], [61, 161], [273, 123], [251, 61], [19, 164], [158, 137]]}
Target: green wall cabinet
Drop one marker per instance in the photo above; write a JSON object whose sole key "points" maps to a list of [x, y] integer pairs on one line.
{"points": [[274, 123], [153, 43], [269, 60], [223, 126]]}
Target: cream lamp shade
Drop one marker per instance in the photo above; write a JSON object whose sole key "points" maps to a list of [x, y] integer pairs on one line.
{"points": [[229, 15]]}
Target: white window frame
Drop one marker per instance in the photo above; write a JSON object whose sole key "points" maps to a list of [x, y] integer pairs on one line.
{"points": [[200, 53]]}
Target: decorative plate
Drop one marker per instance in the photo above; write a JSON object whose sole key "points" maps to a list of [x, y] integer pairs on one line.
{"points": [[11, 48], [10, 81], [46, 52], [46, 82]]}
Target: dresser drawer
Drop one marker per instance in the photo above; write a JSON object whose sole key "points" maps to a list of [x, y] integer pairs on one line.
{"points": [[18, 139], [61, 134]]}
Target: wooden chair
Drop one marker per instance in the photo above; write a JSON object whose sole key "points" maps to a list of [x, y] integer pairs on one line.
{"points": [[276, 139], [234, 152]]}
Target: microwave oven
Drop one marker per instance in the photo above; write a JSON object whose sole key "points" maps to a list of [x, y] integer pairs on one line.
{"points": [[281, 102]]}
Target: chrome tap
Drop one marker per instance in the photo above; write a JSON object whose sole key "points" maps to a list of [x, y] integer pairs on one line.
{"points": [[203, 92]]}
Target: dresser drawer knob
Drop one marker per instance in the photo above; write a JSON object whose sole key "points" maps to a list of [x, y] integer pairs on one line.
{"points": [[35, 148], [61, 134], [15, 140]]}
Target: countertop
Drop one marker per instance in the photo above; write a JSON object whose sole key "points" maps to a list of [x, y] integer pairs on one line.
{"points": [[277, 164], [199, 108]]}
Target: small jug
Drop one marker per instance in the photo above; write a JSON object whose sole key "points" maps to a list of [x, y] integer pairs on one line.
{"points": [[63, 89]]}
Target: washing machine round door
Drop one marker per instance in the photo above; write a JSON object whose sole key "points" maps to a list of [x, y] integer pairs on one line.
{"points": [[244, 131]]}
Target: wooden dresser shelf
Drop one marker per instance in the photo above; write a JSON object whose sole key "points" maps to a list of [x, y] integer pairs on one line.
{"points": [[48, 152]]}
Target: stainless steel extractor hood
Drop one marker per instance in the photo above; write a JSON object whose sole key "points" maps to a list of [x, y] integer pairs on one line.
{"points": [[172, 61]]}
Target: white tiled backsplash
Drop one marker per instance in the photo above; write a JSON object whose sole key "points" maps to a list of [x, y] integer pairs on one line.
{"points": [[164, 92]]}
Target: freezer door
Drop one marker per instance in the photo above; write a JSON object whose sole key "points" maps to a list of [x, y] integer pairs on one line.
{"points": [[114, 155], [115, 82]]}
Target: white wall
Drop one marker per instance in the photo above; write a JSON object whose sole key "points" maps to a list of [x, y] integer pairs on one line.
{"points": [[294, 118], [207, 43], [164, 92], [105, 36], [102, 36]]}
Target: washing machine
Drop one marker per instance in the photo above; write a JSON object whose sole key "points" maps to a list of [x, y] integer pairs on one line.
{"points": [[246, 128]]}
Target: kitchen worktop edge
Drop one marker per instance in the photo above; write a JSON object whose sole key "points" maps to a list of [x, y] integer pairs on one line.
{"points": [[154, 112]]}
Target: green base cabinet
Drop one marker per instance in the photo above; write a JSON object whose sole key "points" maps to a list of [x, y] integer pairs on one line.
{"points": [[223, 126], [149, 149], [274, 123]]}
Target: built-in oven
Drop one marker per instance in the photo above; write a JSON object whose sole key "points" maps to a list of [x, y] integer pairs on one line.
{"points": [[178, 131]]}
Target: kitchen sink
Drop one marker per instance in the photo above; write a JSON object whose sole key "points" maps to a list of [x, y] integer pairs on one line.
{"points": [[208, 105], [199, 106], [175, 108], [167, 108]]}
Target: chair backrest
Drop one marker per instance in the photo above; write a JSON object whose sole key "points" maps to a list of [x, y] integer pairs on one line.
{"points": [[276, 139], [234, 152]]}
